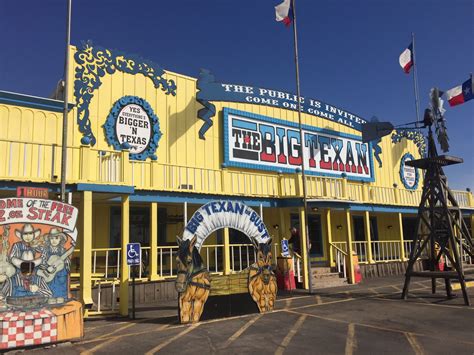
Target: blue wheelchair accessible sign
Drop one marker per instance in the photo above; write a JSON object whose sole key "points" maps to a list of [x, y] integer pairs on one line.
{"points": [[285, 249], [133, 254]]}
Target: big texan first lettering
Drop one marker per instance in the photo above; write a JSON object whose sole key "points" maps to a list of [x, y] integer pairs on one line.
{"points": [[268, 143]]}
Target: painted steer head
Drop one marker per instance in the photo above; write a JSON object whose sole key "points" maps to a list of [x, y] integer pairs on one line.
{"points": [[184, 261], [264, 260]]}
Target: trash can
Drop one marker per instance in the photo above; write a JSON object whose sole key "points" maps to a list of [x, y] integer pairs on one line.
{"points": [[285, 273], [357, 272]]}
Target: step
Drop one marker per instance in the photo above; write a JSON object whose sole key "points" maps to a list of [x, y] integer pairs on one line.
{"points": [[327, 276], [318, 284], [321, 270]]}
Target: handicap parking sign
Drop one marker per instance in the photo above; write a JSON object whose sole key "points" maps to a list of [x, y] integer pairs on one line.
{"points": [[285, 249], [133, 254]]}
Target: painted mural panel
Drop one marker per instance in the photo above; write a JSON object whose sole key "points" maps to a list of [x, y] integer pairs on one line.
{"points": [[37, 238]]}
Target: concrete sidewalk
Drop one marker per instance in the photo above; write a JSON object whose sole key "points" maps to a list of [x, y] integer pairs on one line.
{"points": [[369, 318]]}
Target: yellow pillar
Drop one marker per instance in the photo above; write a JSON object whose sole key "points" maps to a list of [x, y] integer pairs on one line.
{"points": [[226, 252], [402, 244], [350, 262], [345, 193], [365, 192], [153, 260], [283, 230], [154, 175], [368, 237], [86, 250], [470, 199], [126, 167], [123, 256], [226, 182], [327, 214], [472, 225], [281, 189], [85, 172], [396, 193], [304, 249], [299, 184]]}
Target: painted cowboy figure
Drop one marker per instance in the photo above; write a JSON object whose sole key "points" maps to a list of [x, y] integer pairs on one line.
{"points": [[26, 283], [56, 266], [25, 249]]}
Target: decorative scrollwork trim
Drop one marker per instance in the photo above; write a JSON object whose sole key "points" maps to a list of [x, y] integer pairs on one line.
{"points": [[92, 63]]}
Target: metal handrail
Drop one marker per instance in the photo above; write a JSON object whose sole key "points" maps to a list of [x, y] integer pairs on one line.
{"points": [[337, 248]]}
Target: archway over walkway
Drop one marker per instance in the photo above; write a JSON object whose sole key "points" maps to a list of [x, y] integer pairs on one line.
{"points": [[225, 214]]}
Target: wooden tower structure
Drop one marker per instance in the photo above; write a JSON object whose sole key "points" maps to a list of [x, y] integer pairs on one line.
{"points": [[440, 229]]}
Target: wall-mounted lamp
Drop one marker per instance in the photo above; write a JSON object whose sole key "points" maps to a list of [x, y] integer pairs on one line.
{"points": [[395, 185], [314, 209], [389, 226], [339, 227], [276, 226]]}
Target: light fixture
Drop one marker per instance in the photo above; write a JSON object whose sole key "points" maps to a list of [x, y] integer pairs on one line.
{"points": [[314, 209], [389, 226], [339, 227], [276, 226], [395, 185]]}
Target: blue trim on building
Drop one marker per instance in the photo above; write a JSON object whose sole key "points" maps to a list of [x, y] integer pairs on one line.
{"points": [[227, 163], [12, 98], [106, 188], [194, 198], [385, 209], [362, 207], [244, 124], [170, 197]]}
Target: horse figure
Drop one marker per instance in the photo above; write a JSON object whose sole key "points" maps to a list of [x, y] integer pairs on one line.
{"points": [[262, 280], [192, 283]]}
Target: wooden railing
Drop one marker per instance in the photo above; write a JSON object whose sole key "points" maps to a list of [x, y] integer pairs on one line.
{"points": [[339, 250], [41, 163]]}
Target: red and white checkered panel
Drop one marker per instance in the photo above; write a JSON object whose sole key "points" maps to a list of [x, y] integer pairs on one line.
{"points": [[27, 328]]}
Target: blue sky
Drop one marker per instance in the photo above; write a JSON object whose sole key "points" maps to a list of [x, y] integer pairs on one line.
{"points": [[348, 50]]}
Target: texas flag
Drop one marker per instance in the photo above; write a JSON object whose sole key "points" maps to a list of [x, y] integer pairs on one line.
{"points": [[406, 58], [284, 12], [460, 94]]}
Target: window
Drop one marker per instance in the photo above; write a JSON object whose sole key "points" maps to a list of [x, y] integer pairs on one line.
{"points": [[374, 232], [359, 230], [409, 227], [139, 226]]}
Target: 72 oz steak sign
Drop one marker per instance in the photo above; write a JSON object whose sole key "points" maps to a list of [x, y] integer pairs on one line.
{"points": [[259, 142]]}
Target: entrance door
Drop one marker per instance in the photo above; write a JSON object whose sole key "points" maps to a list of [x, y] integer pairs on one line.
{"points": [[315, 235]]}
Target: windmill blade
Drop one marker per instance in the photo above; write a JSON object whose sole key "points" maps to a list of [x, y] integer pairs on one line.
{"points": [[375, 130]]}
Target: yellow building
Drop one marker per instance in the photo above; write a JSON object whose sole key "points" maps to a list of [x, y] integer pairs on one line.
{"points": [[148, 147]]}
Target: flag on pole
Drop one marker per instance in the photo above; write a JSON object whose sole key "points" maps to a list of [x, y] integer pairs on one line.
{"points": [[284, 12], [460, 94], [406, 59]]}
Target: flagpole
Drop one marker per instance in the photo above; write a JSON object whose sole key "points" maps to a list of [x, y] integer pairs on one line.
{"points": [[415, 81], [305, 202], [66, 101]]}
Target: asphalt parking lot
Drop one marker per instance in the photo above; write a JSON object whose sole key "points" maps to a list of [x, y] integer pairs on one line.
{"points": [[369, 318]]}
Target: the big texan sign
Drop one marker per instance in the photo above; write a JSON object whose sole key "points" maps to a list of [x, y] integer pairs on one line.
{"points": [[259, 142]]}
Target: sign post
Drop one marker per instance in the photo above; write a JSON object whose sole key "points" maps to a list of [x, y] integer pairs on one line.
{"points": [[134, 258]]}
